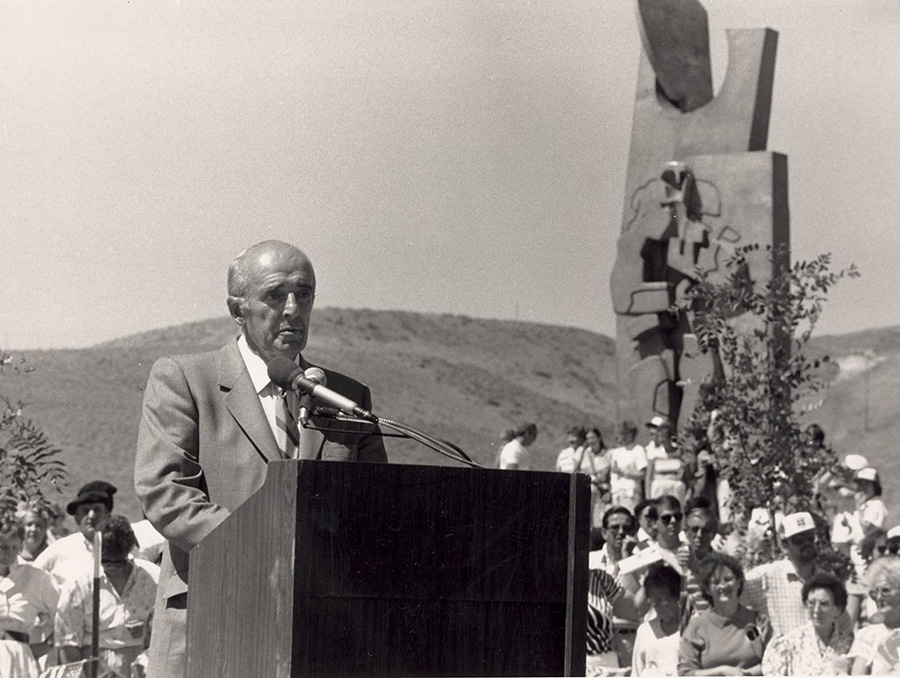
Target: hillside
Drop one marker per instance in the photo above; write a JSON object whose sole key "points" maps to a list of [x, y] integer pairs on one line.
{"points": [[861, 408], [461, 379]]}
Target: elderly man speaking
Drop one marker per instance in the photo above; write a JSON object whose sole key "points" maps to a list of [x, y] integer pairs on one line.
{"points": [[212, 421]]}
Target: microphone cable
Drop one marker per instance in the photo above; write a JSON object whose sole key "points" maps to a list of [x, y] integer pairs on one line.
{"points": [[442, 447]]}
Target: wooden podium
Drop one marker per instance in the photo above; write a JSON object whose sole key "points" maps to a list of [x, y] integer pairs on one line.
{"points": [[350, 569]]}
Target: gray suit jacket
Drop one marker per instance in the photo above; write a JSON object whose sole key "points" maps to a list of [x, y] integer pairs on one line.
{"points": [[204, 443]]}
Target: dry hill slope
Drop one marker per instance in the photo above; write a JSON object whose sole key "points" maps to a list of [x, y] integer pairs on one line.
{"points": [[460, 379], [861, 408]]}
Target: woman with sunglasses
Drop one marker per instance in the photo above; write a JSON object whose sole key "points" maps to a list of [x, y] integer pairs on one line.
{"points": [[729, 639], [876, 647], [817, 648]]}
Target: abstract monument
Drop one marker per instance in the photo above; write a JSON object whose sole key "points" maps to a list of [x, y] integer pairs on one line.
{"points": [[699, 184]]}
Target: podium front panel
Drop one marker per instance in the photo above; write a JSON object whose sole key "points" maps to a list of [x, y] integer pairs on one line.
{"points": [[402, 570]]}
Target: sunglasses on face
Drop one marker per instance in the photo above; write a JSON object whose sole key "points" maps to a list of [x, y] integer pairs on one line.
{"points": [[804, 539], [667, 518], [618, 528], [699, 529]]}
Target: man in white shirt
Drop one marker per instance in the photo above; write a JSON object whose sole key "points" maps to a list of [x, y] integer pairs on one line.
{"points": [[73, 554], [515, 454]]}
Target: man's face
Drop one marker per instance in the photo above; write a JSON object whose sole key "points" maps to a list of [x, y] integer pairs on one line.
{"points": [[625, 436], [274, 312], [618, 526], [668, 524], [647, 519], [574, 440], [700, 528], [663, 435], [802, 547], [89, 516], [10, 545]]}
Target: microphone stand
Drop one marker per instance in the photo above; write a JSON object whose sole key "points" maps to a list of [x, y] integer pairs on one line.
{"points": [[442, 447]]}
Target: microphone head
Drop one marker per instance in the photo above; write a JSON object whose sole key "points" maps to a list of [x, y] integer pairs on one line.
{"points": [[281, 370], [316, 374]]}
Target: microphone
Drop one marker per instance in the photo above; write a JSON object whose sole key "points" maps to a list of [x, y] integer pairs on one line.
{"points": [[284, 373], [308, 401]]}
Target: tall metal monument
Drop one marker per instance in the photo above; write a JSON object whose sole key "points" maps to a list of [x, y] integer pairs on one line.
{"points": [[700, 182]]}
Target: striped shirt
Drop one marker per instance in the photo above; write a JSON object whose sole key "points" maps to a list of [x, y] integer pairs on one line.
{"points": [[602, 592]]}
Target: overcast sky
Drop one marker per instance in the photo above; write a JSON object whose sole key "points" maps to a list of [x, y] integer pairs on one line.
{"points": [[463, 156]]}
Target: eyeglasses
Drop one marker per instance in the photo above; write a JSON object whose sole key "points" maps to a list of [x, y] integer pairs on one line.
{"points": [[619, 528], [801, 539], [883, 591], [667, 518], [824, 605], [699, 529]]}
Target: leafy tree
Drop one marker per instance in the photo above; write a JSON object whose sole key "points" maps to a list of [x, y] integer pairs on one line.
{"points": [[29, 463], [748, 415]]}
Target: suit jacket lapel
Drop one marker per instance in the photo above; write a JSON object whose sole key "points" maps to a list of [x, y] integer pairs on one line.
{"points": [[242, 401]]}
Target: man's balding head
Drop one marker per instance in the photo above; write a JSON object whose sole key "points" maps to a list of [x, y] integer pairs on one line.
{"points": [[271, 288], [255, 255]]}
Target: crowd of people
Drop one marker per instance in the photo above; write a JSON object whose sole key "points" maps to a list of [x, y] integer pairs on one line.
{"points": [[47, 578], [676, 590]]}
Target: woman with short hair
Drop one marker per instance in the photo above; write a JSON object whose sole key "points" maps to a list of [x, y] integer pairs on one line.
{"points": [[728, 639], [875, 647], [815, 648], [35, 520]]}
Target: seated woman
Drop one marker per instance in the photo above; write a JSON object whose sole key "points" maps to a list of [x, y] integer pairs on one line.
{"points": [[729, 639], [27, 596], [876, 647], [127, 594], [815, 648]]}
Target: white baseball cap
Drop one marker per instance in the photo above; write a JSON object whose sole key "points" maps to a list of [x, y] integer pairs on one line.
{"points": [[854, 462], [894, 533], [797, 523], [868, 473], [656, 422]]}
